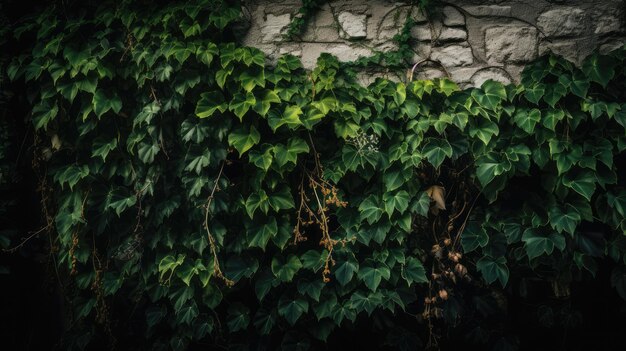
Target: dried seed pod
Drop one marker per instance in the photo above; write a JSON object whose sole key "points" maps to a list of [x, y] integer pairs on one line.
{"points": [[460, 269], [447, 242], [443, 294]]}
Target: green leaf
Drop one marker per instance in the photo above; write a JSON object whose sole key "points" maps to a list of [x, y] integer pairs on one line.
{"points": [[241, 103], [260, 234], [373, 275], [292, 308], [282, 199], [257, 200], [490, 95], [264, 102], [242, 139], [238, 317], [599, 68], [436, 150], [209, 103], [289, 154], [413, 271], [263, 160], [168, 263], [493, 269], [290, 117], [582, 182], [474, 236], [537, 245], [345, 271], [286, 270], [535, 93], [371, 209], [368, 303], [102, 103], [396, 201], [526, 119], [484, 129], [564, 219]]}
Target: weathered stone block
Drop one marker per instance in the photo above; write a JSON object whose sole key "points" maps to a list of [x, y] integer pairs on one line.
{"points": [[453, 55], [490, 73], [273, 26], [489, 10], [452, 34], [421, 33], [511, 44], [344, 52], [563, 21], [452, 17], [353, 26]]}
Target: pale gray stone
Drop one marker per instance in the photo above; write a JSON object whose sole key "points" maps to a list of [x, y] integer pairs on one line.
{"points": [[326, 34], [511, 44], [421, 33], [607, 24], [462, 74], [353, 26], [570, 50], [563, 21], [344, 52], [452, 17], [428, 73], [489, 10], [490, 73], [453, 55], [452, 34], [324, 17], [273, 27]]}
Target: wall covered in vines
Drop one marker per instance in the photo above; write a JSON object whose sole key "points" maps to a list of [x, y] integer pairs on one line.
{"points": [[194, 196]]}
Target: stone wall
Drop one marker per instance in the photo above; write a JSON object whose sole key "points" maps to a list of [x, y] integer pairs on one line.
{"points": [[469, 41]]}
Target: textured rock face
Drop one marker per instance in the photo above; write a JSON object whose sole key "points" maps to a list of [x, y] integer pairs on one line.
{"points": [[469, 41], [511, 44]]}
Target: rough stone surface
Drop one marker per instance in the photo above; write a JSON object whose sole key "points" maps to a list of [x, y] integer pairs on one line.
{"points": [[421, 33], [452, 17], [453, 55], [491, 73], [489, 10], [511, 44], [474, 40], [452, 34], [273, 27], [563, 21], [353, 26]]}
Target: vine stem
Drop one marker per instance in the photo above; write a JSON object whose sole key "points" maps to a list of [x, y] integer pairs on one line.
{"points": [[216, 264]]}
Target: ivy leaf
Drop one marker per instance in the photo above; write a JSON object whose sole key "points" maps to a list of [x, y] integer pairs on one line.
{"points": [[285, 270], [484, 129], [241, 103], [564, 219], [554, 92], [396, 201], [290, 117], [413, 271], [527, 120], [368, 303], [537, 245], [599, 68], [264, 320], [422, 205], [552, 117], [373, 275], [535, 92], [577, 83], [102, 103], [282, 199], [257, 200], [493, 269], [209, 103], [264, 103], [345, 271], [43, 113], [474, 236], [371, 209], [260, 234], [583, 182], [292, 308], [289, 154], [436, 150], [263, 160], [238, 317], [490, 95], [242, 139], [445, 86]]}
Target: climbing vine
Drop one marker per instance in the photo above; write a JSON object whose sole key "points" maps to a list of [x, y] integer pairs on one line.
{"points": [[210, 198]]}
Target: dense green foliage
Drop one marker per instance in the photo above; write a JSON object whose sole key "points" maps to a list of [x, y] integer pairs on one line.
{"points": [[211, 198]]}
